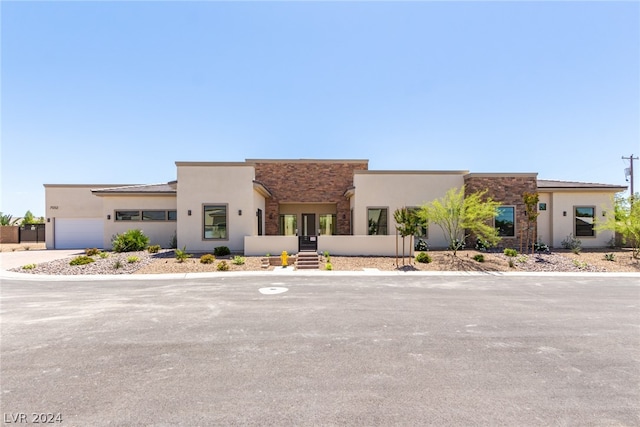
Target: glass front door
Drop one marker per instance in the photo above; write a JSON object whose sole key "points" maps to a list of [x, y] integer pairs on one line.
{"points": [[309, 225]]}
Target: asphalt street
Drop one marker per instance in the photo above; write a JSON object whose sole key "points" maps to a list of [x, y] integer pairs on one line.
{"points": [[322, 350]]}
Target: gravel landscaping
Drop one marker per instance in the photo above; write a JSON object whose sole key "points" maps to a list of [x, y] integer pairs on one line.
{"points": [[164, 262]]}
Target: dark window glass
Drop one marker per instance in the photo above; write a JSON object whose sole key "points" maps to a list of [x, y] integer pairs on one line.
{"points": [[584, 221], [172, 215], [127, 215], [505, 221], [377, 220], [154, 215]]}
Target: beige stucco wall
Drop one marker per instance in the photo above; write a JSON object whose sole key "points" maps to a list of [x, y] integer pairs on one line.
{"points": [[566, 201], [159, 232], [70, 201], [545, 226], [229, 184], [394, 190]]}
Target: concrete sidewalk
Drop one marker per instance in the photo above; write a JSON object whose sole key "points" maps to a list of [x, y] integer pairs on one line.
{"points": [[16, 259]]}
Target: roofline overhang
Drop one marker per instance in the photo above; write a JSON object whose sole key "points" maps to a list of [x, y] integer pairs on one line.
{"points": [[410, 172], [261, 189], [581, 189]]}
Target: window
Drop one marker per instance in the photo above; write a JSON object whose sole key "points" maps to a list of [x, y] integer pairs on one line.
{"points": [[288, 225], [585, 216], [215, 221], [328, 224], [505, 221], [377, 221], [154, 215], [151, 215], [127, 215]]}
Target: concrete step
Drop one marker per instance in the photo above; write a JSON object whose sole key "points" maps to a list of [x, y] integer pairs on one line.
{"points": [[307, 261]]}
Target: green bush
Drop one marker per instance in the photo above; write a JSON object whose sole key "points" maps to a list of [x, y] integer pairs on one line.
{"points": [[103, 255], [510, 252], [117, 265], [153, 249], [223, 266], [328, 266], [570, 242], [610, 257], [91, 251], [207, 259], [130, 241], [173, 243], [221, 251], [479, 257], [81, 260], [423, 258], [238, 260], [132, 259], [182, 255], [29, 267]]}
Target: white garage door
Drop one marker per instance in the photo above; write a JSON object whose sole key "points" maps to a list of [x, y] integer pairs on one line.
{"points": [[78, 233]]}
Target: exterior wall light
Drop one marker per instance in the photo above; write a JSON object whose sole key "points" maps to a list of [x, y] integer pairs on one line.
{"points": [[564, 213], [189, 212], [239, 212], [108, 216], [48, 219]]}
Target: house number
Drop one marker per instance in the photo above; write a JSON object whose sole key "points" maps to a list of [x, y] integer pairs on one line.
{"points": [[53, 207]]}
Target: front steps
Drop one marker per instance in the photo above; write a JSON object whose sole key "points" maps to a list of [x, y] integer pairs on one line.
{"points": [[307, 261]]}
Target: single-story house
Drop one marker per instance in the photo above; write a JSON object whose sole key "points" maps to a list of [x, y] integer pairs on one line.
{"points": [[266, 206]]}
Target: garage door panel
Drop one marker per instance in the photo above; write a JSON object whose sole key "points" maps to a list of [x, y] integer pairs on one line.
{"points": [[78, 233]]}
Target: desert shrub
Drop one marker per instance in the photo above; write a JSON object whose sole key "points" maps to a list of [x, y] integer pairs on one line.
{"points": [[207, 259], [328, 266], [482, 245], [130, 241], [512, 263], [423, 258], [479, 257], [132, 259], [29, 267], [117, 265], [521, 259], [327, 256], [421, 245], [153, 249], [572, 243], [91, 251], [221, 251], [182, 255], [103, 255], [580, 264], [238, 260], [610, 257], [81, 260], [541, 247], [173, 243], [222, 266], [510, 252]]}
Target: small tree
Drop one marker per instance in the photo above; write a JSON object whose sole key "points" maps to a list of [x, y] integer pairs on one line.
{"points": [[456, 215], [626, 221], [407, 226], [531, 211], [6, 220]]}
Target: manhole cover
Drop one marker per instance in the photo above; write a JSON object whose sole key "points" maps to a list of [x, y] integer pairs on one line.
{"points": [[273, 290]]}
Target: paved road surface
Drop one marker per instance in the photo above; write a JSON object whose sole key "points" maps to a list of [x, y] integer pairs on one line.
{"points": [[343, 350]]}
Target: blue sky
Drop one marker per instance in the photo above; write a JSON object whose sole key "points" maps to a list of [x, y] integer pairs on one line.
{"points": [[116, 92]]}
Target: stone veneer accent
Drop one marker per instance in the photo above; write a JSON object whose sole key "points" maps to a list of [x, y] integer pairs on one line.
{"points": [[508, 190], [307, 181]]}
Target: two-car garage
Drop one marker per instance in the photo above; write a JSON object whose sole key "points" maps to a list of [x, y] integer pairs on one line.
{"points": [[78, 233]]}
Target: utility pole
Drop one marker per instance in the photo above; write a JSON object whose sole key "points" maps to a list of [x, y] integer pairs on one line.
{"points": [[631, 159]]}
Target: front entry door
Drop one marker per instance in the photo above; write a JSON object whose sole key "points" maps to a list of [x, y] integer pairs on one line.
{"points": [[308, 224], [308, 241]]}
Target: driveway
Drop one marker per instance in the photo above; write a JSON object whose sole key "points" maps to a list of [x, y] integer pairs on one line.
{"points": [[19, 258], [323, 350]]}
